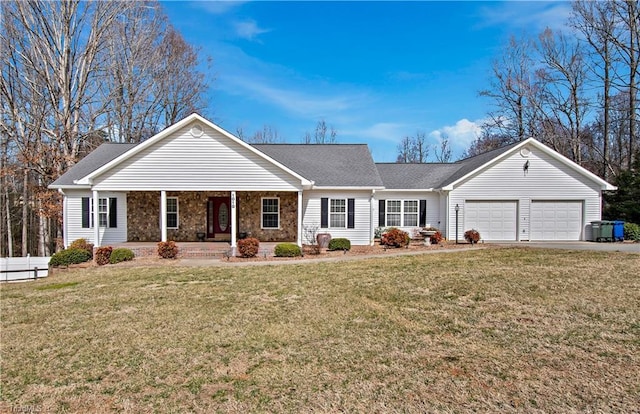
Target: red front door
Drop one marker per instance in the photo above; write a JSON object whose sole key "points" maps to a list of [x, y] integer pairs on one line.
{"points": [[218, 216]]}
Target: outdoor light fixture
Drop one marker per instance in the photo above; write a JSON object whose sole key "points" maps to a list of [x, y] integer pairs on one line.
{"points": [[525, 168]]}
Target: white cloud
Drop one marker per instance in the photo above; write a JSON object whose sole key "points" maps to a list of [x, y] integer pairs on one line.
{"points": [[536, 15], [460, 135], [248, 29]]}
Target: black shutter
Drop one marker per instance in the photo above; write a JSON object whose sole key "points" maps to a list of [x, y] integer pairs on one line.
{"points": [[351, 213], [113, 212], [324, 213], [85, 213], [381, 216], [423, 213]]}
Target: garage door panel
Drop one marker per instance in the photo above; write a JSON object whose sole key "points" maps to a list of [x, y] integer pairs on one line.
{"points": [[495, 220], [556, 220]]}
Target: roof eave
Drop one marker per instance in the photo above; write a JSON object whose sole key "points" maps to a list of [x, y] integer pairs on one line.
{"points": [[354, 188], [410, 190]]}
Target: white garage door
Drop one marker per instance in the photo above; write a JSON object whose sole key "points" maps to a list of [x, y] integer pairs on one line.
{"points": [[556, 220], [495, 220]]}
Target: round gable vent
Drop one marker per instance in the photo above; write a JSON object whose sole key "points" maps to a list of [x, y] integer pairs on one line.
{"points": [[525, 152], [196, 130]]}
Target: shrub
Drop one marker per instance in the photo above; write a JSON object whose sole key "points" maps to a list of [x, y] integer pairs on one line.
{"points": [[472, 236], [436, 238], [287, 250], [103, 255], [632, 231], [248, 247], [379, 231], [395, 238], [168, 249], [83, 245], [121, 254], [340, 244], [69, 256]]}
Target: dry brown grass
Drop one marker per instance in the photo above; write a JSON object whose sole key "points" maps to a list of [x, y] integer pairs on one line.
{"points": [[510, 330]]}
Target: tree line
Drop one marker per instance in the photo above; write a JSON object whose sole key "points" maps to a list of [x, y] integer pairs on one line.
{"points": [[575, 89], [76, 74]]}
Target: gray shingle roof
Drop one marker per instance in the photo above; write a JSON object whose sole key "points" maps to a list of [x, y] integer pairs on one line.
{"points": [[102, 155], [414, 176], [328, 165]]}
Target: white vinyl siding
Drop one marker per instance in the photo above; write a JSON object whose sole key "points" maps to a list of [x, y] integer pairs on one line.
{"points": [[361, 234], [73, 219], [546, 179], [210, 162], [556, 220]]}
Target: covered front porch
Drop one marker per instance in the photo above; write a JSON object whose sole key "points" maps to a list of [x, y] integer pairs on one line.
{"points": [[214, 216]]}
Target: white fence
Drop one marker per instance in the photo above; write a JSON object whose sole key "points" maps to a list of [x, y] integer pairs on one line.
{"points": [[23, 268]]}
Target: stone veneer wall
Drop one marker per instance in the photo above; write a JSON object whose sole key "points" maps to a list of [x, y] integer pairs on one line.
{"points": [[143, 215], [250, 212]]}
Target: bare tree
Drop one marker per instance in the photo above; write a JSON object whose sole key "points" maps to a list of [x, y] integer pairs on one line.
{"points": [[563, 82], [511, 91], [268, 135], [71, 69], [596, 21], [323, 134], [413, 149], [443, 150]]}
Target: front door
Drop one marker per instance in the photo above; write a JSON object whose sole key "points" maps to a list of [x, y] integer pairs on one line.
{"points": [[218, 216]]}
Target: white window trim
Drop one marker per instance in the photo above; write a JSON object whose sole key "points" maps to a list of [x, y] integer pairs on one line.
{"points": [[177, 213], [91, 212], [262, 213], [346, 210], [402, 211]]}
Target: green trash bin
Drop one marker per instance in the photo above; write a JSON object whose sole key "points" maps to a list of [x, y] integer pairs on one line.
{"points": [[606, 230], [595, 231]]}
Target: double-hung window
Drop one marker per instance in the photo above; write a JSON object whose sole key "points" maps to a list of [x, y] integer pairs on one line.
{"points": [[402, 213], [410, 213], [270, 213], [338, 213], [172, 212], [394, 213], [107, 212]]}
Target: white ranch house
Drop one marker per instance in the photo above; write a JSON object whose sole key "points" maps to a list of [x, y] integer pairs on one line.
{"points": [[195, 181]]}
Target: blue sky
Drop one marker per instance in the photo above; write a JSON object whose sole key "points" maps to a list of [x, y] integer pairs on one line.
{"points": [[375, 71]]}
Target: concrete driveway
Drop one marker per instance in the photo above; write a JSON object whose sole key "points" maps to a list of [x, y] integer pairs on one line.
{"points": [[598, 247]]}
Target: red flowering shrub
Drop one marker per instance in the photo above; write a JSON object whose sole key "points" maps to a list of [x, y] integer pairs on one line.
{"points": [[248, 247], [436, 238], [103, 255], [472, 236], [395, 238], [168, 249]]}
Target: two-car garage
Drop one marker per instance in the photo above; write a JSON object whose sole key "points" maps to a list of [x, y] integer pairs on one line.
{"points": [[549, 220]]}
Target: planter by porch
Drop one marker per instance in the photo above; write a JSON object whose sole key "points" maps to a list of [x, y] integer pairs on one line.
{"points": [[323, 240]]}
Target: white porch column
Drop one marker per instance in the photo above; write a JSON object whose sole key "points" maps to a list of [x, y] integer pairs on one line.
{"points": [[300, 218], [233, 220], [96, 219], [163, 215]]}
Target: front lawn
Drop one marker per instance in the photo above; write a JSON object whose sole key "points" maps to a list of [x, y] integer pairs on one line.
{"points": [[489, 330]]}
